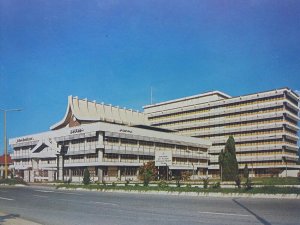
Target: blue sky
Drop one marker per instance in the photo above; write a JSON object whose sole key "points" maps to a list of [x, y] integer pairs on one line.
{"points": [[115, 51]]}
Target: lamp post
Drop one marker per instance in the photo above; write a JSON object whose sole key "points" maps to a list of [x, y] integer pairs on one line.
{"points": [[5, 142]]}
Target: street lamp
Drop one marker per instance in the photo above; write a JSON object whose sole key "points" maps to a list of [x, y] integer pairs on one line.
{"points": [[5, 142]]}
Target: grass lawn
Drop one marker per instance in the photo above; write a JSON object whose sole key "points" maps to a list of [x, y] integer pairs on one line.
{"points": [[277, 181], [257, 190], [12, 181]]}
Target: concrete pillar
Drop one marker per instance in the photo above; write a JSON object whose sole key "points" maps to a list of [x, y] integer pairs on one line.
{"points": [[199, 172], [100, 175], [60, 170], [119, 173], [70, 174], [26, 175], [100, 155], [100, 139], [50, 175], [31, 176]]}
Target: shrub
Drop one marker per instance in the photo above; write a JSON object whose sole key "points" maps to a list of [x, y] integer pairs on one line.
{"points": [[216, 185], [188, 185], [246, 172], [238, 181], [148, 172], [186, 175], [113, 184], [248, 184], [86, 177], [162, 184], [205, 182], [177, 179], [127, 182]]}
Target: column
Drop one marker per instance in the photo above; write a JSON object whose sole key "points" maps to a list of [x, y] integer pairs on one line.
{"points": [[70, 175], [100, 175], [60, 169], [100, 155], [119, 173]]}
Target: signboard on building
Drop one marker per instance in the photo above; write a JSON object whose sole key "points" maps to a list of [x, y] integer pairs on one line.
{"points": [[163, 158]]}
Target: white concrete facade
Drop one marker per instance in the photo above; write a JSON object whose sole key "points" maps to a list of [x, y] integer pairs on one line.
{"points": [[264, 126], [110, 151]]}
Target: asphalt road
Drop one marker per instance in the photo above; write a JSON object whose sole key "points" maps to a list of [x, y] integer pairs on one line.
{"points": [[51, 206]]}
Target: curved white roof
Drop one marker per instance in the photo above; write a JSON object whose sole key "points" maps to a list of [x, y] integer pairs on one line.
{"points": [[90, 111]]}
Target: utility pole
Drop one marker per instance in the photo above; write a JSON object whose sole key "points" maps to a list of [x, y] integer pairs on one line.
{"points": [[5, 139]]}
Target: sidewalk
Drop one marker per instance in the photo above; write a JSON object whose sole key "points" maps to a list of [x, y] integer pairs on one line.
{"points": [[14, 219]]}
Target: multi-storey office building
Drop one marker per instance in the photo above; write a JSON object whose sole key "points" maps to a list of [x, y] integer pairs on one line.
{"points": [[264, 126], [111, 142]]}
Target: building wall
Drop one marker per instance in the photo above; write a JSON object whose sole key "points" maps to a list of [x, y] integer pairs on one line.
{"points": [[111, 152], [264, 126]]}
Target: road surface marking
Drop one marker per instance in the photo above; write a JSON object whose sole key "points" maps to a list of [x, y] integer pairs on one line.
{"points": [[105, 203], [41, 196], [8, 199], [67, 193], [44, 191], [224, 214]]}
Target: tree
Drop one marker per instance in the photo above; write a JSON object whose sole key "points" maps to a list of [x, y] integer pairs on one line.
{"points": [[147, 172], [86, 177], [228, 161], [246, 171]]}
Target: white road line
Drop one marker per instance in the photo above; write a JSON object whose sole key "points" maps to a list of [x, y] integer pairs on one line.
{"points": [[41, 196], [224, 214], [8, 199], [105, 203], [67, 193], [44, 191]]}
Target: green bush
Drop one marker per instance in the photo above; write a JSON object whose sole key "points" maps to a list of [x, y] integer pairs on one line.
{"points": [[248, 184], [177, 179], [162, 184], [205, 182], [216, 185], [86, 177], [238, 181]]}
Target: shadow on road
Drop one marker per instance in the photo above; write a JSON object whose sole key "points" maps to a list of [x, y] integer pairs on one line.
{"points": [[4, 218], [260, 219]]}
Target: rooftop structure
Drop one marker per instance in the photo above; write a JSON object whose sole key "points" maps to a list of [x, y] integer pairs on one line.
{"points": [[83, 111]]}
